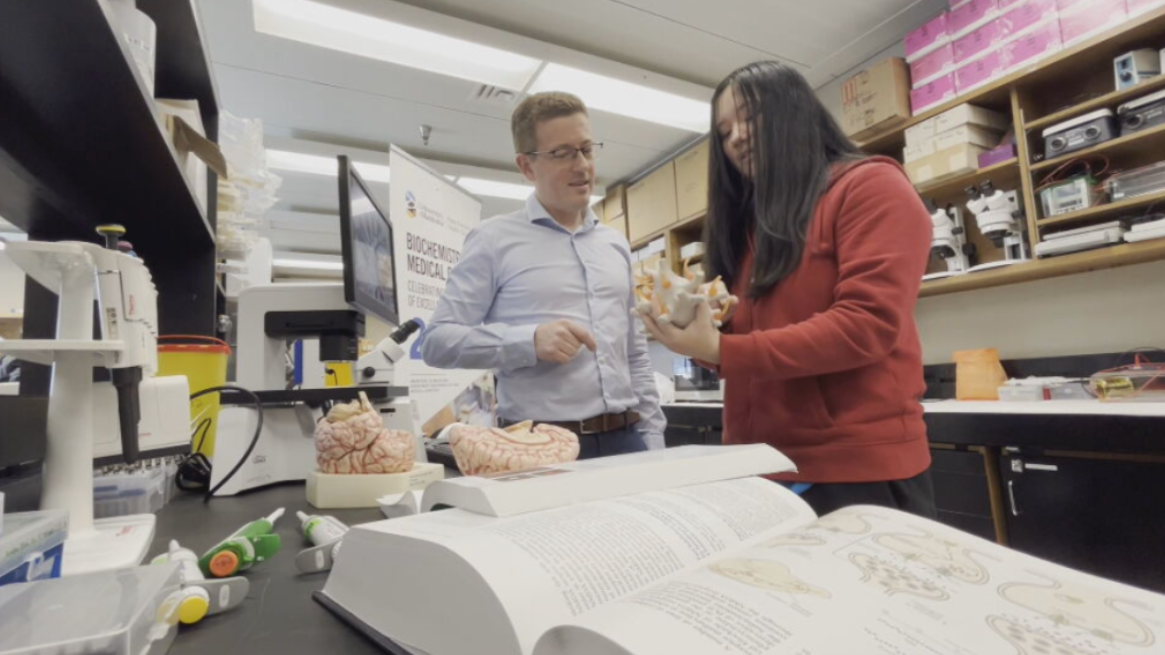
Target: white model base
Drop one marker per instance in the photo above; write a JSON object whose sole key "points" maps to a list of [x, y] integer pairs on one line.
{"points": [[329, 491], [114, 543]]}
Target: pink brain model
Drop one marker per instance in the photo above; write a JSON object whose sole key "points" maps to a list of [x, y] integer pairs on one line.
{"points": [[352, 439], [489, 451]]}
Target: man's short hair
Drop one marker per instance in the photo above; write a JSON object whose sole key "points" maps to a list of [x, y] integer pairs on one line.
{"points": [[539, 108]]}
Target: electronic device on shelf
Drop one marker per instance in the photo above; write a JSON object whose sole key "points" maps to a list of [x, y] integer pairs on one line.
{"points": [[1133, 68], [1146, 228], [1080, 133], [1070, 195], [1142, 113], [1085, 238]]}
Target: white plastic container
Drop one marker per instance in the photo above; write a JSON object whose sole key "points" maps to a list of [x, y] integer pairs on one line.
{"points": [[126, 494], [140, 35], [126, 612], [32, 546]]}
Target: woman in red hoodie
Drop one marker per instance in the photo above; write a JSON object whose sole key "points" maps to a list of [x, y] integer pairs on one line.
{"points": [[825, 248]]}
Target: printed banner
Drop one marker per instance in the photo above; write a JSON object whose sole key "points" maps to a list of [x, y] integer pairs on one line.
{"points": [[431, 217]]}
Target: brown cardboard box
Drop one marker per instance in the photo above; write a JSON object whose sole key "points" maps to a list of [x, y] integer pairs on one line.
{"points": [[945, 163], [651, 203], [692, 181], [615, 204], [195, 152], [876, 99], [619, 225]]}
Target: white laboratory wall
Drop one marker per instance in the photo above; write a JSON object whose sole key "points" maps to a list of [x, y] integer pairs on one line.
{"points": [[11, 287], [1101, 312]]}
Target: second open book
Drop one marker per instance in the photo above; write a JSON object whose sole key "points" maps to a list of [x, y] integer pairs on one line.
{"points": [[736, 566]]}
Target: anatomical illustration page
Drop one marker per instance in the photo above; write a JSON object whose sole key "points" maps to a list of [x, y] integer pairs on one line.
{"points": [[550, 567], [873, 581]]}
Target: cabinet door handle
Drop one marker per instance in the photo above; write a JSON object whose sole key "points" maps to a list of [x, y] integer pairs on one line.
{"points": [[1011, 497]]}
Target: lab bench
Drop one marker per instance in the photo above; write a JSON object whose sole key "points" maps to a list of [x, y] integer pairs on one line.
{"points": [[1078, 482], [279, 615]]}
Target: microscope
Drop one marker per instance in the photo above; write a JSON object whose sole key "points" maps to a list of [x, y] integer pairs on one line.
{"points": [[329, 319], [948, 241], [1000, 219], [271, 316], [127, 302]]}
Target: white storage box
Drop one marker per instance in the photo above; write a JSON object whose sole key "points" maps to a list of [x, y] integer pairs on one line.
{"points": [[126, 612]]}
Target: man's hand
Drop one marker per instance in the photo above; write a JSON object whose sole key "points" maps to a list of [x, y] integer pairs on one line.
{"points": [[560, 341]]}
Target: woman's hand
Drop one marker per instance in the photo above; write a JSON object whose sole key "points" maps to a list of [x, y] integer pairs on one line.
{"points": [[728, 306], [700, 340]]}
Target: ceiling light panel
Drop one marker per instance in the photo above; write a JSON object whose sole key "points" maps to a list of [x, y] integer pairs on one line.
{"points": [[625, 98], [355, 33]]}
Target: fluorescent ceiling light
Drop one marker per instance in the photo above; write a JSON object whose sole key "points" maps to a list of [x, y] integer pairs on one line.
{"points": [[299, 162], [308, 264], [625, 98], [331, 27]]}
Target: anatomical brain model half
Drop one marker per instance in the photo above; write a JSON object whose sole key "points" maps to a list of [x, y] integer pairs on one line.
{"points": [[489, 451], [352, 439], [673, 299]]}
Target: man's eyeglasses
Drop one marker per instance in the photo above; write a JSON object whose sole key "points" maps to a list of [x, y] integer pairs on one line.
{"points": [[564, 154]]}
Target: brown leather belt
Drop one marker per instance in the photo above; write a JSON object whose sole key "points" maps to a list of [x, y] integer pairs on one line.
{"points": [[594, 425]]}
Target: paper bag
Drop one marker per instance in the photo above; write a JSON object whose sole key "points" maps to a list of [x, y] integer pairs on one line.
{"points": [[978, 374]]}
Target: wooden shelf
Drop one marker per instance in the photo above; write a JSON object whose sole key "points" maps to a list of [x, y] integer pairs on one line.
{"points": [[1006, 170], [1108, 100], [1126, 254], [1152, 138], [682, 225], [80, 139], [1109, 211], [1135, 32]]}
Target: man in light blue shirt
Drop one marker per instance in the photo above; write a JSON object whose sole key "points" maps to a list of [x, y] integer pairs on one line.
{"points": [[543, 296]]}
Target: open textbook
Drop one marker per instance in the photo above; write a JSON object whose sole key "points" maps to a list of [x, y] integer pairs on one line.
{"points": [[740, 566]]}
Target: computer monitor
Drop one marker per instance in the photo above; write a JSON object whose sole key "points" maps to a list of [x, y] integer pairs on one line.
{"points": [[366, 243]]}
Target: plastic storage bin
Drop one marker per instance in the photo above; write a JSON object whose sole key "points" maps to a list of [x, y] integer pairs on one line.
{"points": [[1137, 182], [126, 612], [32, 546], [132, 492]]}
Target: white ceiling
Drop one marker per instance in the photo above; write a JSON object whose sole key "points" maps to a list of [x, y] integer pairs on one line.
{"points": [[316, 100]]}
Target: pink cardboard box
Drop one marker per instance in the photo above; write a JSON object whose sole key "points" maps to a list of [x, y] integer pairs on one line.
{"points": [[1033, 45], [983, 39], [1021, 16], [933, 93], [970, 15], [1090, 18], [939, 62], [983, 70], [925, 38]]}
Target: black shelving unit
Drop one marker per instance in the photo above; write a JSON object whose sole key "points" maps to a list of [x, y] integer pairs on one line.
{"points": [[81, 144]]}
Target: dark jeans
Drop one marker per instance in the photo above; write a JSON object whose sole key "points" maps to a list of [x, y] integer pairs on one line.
{"points": [[914, 495], [615, 442]]}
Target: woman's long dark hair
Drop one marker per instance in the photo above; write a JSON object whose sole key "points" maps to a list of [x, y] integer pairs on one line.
{"points": [[794, 143]]}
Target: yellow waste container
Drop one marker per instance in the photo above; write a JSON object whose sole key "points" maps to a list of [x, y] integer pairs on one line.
{"points": [[203, 360]]}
